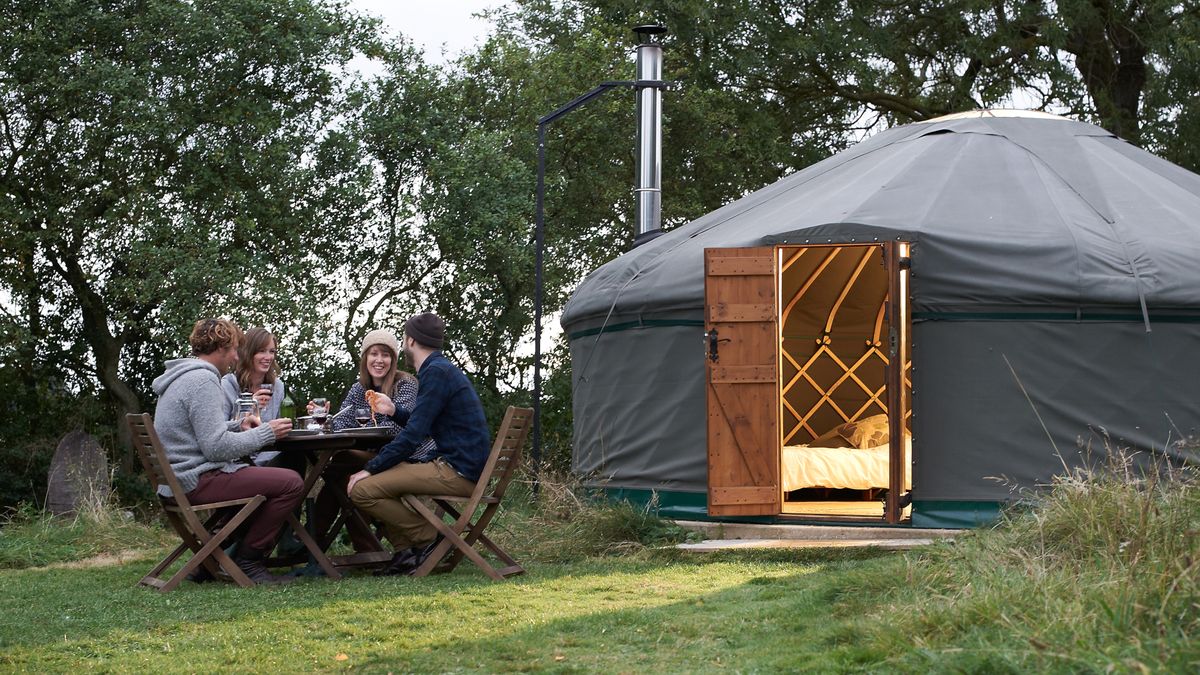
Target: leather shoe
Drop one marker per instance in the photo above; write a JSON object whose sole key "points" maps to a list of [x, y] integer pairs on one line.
{"points": [[427, 551], [407, 561], [201, 575], [402, 563], [423, 553], [258, 572]]}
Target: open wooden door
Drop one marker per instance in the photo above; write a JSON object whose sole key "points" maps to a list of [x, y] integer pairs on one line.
{"points": [[742, 347], [897, 312]]}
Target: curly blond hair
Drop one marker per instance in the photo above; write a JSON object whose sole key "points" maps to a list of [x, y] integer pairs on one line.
{"points": [[211, 335]]}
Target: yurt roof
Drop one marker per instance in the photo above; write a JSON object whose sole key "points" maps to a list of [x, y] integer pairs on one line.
{"points": [[1007, 209]]}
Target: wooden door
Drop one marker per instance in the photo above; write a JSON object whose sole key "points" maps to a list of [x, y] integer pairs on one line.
{"points": [[897, 314], [742, 348]]}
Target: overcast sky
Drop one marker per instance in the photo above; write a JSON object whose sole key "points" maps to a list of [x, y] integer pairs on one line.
{"points": [[442, 28]]}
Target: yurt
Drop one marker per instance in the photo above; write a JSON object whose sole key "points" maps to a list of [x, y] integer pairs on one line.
{"points": [[912, 332]]}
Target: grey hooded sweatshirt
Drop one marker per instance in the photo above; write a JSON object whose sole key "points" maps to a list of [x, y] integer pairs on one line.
{"points": [[191, 423]]}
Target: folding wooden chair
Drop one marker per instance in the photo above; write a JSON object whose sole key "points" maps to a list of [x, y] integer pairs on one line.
{"points": [[206, 539], [465, 530]]}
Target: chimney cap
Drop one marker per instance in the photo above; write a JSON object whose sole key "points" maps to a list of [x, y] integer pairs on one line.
{"points": [[647, 33]]}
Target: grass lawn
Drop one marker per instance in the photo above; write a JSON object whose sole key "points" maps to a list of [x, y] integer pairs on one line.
{"points": [[1099, 574], [653, 612]]}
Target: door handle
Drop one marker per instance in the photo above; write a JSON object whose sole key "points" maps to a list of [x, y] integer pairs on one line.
{"points": [[712, 341]]}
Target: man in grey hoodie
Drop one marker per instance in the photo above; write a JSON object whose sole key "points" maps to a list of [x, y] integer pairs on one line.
{"points": [[204, 447]]}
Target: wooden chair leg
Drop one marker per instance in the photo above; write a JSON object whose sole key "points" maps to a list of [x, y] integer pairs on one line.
{"points": [[451, 561], [313, 548], [450, 538], [212, 548], [189, 542], [513, 567], [164, 564], [476, 534]]}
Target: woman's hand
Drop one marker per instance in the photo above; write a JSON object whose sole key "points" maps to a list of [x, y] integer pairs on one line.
{"points": [[249, 422]]}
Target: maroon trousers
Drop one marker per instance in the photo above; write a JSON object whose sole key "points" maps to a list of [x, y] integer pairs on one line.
{"points": [[283, 488]]}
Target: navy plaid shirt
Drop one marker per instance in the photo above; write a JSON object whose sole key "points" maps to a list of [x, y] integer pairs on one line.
{"points": [[449, 411]]}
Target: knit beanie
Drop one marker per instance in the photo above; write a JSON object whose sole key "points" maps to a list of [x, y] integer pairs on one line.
{"points": [[381, 337], [427, 329]]}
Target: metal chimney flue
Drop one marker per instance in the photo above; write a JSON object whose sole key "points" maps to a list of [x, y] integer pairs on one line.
{"points": [[648, 185]]}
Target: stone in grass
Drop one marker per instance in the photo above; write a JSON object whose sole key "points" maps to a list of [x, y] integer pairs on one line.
{"points": [[78, 475]]}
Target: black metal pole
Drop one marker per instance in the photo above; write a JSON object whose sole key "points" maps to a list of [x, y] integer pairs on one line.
{"points": [[539, 239], [540, 243]]}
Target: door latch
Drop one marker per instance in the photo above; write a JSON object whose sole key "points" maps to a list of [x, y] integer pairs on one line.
{"points": [[711, 340]]}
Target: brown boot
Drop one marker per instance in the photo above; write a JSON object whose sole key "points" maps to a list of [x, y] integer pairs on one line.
{"points": [[253, 567]]}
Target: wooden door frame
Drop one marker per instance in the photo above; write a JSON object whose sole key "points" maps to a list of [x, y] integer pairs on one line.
{"points": [[898, 318], [896, 261]]}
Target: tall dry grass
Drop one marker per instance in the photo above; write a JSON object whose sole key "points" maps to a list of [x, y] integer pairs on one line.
{"points": [[563, 521], [1097, 573], [31, 537]]}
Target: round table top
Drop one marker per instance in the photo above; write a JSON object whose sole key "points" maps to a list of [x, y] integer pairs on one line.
{"points": [[362, 439]]}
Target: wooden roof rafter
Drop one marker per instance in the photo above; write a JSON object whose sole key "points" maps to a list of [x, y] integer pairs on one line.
{"points": [[812, 278], [795, 256], [846, 288]]}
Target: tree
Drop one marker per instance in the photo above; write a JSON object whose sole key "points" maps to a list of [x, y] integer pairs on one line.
{"points": [[156, 166], [386, 261], [849, 66], [449, 222]]}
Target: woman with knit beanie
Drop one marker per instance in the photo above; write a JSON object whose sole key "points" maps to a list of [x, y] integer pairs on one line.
{"points": [[378, 372]]}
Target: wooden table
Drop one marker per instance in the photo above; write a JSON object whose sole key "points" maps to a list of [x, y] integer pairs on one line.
{"points": [[319, 450]]}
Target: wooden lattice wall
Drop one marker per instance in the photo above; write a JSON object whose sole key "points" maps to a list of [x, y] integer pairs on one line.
{"points": [[833, 324]]}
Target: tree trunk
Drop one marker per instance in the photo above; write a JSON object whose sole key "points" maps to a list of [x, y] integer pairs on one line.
{"points": [[28, 351], [1111, 59], [106, 352], [127, 401]]}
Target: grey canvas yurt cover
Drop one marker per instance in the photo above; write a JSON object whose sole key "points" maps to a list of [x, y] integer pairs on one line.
{"points": [[1055, 288]]}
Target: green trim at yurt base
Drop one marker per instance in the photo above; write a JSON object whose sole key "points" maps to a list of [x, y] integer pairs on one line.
{"points": [[694, 506], [954, 515], [673, 505]]}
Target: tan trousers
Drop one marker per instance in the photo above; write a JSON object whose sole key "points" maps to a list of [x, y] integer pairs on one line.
{"points": [[379, 496]]}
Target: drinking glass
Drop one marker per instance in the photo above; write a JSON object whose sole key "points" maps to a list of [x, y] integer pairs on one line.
{"points": [[263, 394], [320, 414], [362, 416]]}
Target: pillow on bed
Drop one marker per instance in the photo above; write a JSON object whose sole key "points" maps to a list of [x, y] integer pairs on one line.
{"points": [[868, 432], [834, 438]]}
